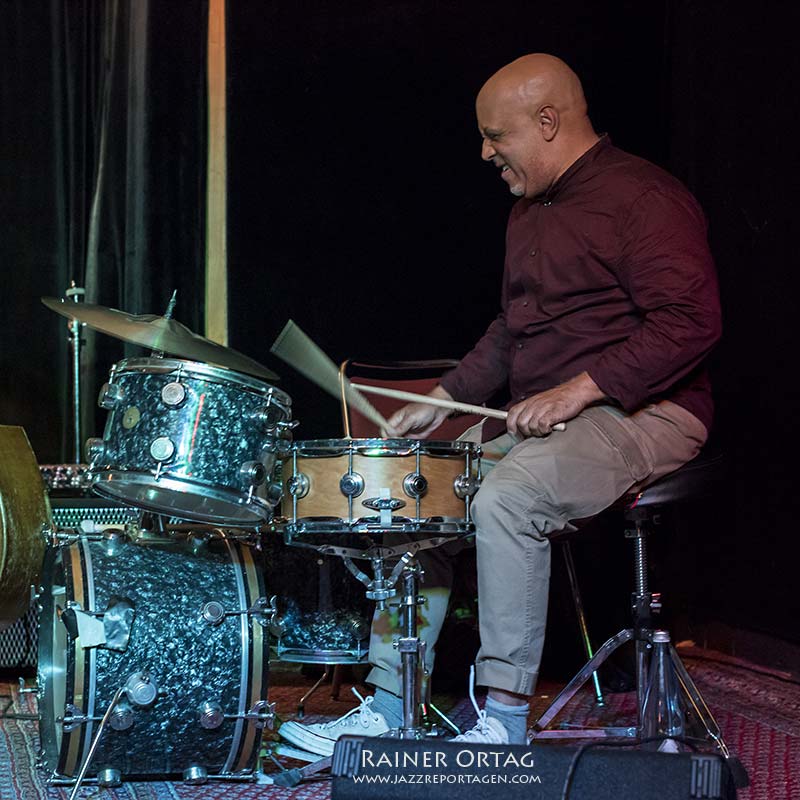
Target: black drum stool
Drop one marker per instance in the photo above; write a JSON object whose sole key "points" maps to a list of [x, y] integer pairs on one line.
{"points": [[669, 703]]}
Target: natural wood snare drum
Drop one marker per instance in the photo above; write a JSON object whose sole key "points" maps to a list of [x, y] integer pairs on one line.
{"points": [[364, 485]]}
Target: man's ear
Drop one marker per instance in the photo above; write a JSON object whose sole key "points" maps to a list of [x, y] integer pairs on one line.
{"points": [[548, 120]]}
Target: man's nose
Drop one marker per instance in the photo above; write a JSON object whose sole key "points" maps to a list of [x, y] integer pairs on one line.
{"points": [[487, 150]]}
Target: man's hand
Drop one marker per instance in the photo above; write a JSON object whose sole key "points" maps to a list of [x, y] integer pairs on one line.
{"points": [[417, 420], [537, 415]]}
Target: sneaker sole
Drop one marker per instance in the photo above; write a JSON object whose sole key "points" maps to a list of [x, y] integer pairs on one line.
{"points": [[306, 740]]}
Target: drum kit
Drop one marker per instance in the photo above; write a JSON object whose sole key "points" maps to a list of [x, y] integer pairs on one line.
{"points": [[155, 636]]}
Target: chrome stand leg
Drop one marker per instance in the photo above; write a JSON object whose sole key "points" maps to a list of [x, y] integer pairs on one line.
{"points": [[411, 651]]}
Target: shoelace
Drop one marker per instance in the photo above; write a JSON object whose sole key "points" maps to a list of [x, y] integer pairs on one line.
{"points": [[362, 710], [481, 728]]}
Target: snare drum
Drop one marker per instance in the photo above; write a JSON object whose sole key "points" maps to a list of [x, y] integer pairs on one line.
{"points": [[193, 660], [365, 485], [191, 440]]}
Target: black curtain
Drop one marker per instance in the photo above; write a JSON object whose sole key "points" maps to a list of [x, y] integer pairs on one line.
{"points": [[104, 137], [360, 208]]}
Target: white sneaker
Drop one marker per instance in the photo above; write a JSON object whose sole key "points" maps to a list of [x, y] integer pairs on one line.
{"points": [[321, 737], [487, 730]]}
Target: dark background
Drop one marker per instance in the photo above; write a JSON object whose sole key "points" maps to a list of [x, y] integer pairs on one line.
{"points": [[359, 207]]}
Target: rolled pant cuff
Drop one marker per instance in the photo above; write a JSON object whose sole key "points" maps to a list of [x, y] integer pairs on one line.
{"points": [[381, 679], [499, 675]]}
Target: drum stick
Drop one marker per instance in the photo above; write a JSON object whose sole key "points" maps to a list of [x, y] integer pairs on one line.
{"points": [[298, 350], [441, 403]]}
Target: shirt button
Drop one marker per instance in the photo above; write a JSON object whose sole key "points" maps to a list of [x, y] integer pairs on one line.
{"points": [[524, 302], [519, 346], [547, 203], [534, 252]]}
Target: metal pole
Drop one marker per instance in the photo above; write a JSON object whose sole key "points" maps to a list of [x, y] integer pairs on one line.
{"points": [[76, 294]]}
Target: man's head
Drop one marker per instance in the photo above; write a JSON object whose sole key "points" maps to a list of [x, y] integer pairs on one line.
{"points": [[532, 117]]}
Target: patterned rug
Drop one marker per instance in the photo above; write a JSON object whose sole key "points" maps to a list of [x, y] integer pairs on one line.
{"points": [[758, 711]]}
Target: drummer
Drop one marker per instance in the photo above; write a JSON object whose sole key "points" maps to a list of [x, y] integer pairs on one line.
{"points": [[609, 309]]}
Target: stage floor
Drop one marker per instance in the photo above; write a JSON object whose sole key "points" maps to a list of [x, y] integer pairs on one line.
{"points": [[757, 708]]}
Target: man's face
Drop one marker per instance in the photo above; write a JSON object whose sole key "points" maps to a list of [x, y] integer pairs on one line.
{"points": [[513, 142]]}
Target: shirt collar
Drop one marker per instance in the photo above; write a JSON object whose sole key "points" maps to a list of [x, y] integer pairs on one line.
{"points": [[588, 158]]}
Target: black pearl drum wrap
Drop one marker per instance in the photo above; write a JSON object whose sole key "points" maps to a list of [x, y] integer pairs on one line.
{"points": [[189, 659], [192, 441]]}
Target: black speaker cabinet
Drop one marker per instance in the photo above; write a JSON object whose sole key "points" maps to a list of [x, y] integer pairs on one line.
{"points": [[390, 769]]}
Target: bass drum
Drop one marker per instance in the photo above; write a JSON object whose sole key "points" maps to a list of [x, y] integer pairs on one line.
{"points": [[194, 658]]}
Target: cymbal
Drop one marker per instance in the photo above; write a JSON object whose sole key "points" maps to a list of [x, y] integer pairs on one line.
{"points": [[158, 333]]}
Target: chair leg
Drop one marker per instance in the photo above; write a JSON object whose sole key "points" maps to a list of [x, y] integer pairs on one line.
{"points": [[584, 629]]}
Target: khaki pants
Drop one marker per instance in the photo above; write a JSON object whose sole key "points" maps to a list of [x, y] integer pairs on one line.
{"points": [[539, 486]]}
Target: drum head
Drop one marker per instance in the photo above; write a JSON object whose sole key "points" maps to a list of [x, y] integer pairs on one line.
{"points": [[176, 499]]}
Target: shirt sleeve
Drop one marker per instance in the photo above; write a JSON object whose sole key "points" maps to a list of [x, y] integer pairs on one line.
{"points": [[667, 268]]}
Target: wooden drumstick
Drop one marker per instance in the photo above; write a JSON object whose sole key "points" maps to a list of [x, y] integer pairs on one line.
{"points": [[297, 349], [467, 408]]}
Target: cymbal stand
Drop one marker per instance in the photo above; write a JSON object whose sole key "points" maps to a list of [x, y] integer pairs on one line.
{"points": [[76, 294]]}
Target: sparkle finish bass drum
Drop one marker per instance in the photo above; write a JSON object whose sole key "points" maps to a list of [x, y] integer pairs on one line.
{"points": [[182, 633]]}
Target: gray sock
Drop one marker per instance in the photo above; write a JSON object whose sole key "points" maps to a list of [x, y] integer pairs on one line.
{"points": [[514, 718], [390, 705]]}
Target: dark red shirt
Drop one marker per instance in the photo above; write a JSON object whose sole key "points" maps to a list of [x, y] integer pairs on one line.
{"points": [[609, 272]]}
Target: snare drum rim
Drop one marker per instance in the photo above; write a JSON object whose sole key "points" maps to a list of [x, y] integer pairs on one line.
{"points": [[382, 447], [209, 372]]}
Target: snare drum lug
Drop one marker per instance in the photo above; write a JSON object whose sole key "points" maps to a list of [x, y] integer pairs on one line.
{"points": [[351, 484], [465, 486], [298, 485], [415, 485], [173, 394]]}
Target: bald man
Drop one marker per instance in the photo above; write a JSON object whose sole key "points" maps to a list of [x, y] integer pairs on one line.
{"points": [[609, 309]]}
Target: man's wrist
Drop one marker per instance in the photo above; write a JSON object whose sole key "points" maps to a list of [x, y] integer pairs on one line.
{"points": [[586, 389]]}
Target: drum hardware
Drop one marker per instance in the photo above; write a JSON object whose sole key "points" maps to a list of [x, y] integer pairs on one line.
{"points": [[140, 690], [76, 294], [4, 711], [385, 504], [109, 778], [211, 715], [263, 611]]}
